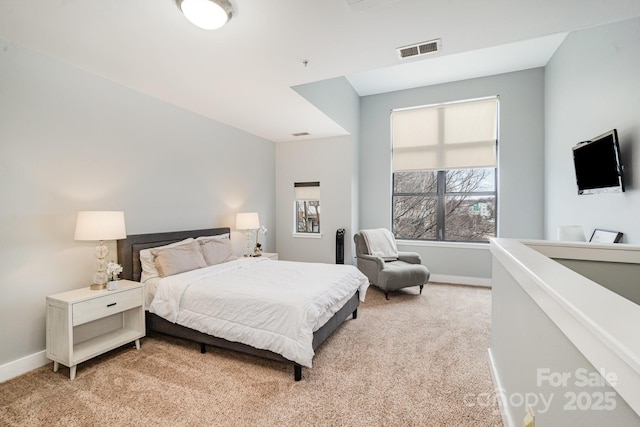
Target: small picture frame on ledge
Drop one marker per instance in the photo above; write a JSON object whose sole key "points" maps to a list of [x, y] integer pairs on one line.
{"points": [[605, 236]]}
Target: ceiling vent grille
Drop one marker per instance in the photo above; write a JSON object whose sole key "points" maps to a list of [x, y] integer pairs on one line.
{"points": [[358, 5], [423, 48]]}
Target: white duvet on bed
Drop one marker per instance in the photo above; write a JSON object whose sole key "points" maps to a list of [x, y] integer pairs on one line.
{"points": [[271, 305]]}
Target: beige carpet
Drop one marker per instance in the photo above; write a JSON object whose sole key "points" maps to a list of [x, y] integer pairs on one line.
{"points": [[411, 361]]}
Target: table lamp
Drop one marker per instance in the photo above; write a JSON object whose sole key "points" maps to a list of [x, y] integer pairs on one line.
{"points": [[248, 221], [100, 226]]}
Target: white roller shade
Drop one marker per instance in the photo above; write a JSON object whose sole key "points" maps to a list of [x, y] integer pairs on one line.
{"points": [[307, 190], [449, 136]]}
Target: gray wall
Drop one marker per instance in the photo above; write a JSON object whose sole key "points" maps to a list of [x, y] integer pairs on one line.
{"points": [[307, 161], [619, 277], [71, 141], [592, 86], [333, 162], [523, 341], [521, 162]]}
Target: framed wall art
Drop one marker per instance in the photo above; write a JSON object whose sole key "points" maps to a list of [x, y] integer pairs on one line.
{"points": [[605, 236]]}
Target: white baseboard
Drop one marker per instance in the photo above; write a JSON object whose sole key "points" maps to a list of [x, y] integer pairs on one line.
{"points": [[460, 280], [500, 394], [22, 366]]}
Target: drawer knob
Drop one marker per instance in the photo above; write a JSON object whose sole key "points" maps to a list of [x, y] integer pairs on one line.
{"points": [[112, 304]]}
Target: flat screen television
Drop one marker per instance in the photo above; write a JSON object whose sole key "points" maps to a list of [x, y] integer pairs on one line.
{"points": [[597, 164]]}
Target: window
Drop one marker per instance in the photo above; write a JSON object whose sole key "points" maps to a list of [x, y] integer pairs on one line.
{"points": [[307, 207], [444, 171]]}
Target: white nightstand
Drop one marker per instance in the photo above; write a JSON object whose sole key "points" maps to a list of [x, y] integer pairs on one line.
{"points": [[270, 255], [84, 323]]}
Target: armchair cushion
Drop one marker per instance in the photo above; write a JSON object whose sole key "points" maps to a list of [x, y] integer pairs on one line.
{"points": [[404, 270], [399, 274]]}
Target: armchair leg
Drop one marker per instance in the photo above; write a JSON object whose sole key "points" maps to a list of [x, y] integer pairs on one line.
{"points": [[386, 295], [421, 286]]}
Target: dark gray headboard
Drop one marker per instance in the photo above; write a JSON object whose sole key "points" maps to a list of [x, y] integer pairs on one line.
{"points": [[129, 248]]}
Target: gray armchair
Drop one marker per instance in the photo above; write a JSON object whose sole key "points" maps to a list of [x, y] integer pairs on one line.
{"points": [[390, 274]]}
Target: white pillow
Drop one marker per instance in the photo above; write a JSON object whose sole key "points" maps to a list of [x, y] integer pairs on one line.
{"points": [[217, 251], [224, 236], [148, 261], [178, 259]]}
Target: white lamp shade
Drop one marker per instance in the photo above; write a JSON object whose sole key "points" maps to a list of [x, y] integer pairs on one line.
{"points": [[100, 225], [207, 14], [571, 233], [247, 221]]}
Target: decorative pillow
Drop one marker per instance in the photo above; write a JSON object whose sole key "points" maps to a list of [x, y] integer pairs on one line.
{"points": [[147, 260], [224, 236], [178, 259], [216, 250]]}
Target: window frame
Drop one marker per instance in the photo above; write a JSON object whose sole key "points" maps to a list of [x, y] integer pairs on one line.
{"points": [[306, 193], [441, 195], [297, 217]]}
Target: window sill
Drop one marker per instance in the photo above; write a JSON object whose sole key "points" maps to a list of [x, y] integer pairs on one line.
{"points": [[441, 244], [307, 235]]}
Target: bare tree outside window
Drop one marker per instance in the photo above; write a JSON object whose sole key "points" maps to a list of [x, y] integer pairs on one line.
{"points": [[453, 205], [308, 216], [414, 205]]}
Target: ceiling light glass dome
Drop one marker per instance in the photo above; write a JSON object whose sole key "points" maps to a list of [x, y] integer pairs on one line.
{"points": [[207, 14]]}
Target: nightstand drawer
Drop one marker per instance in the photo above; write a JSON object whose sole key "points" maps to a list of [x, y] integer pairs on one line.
{"points": [[106, 305]]}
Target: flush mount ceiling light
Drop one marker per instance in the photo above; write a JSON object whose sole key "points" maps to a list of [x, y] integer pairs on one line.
{"points": [[206, 14]]}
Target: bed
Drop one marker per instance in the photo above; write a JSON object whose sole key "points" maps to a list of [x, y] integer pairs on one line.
{"points": [[159, 314]]}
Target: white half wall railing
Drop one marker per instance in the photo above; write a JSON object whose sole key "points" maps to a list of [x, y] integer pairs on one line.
{"points": [[548, 322]]}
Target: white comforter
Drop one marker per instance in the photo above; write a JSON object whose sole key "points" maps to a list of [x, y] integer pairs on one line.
{"points": [[271, 305]]}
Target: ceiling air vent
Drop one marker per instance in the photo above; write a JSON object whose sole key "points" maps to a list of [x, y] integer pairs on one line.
{"points": [[417, 49], [301, 134], [358, 5]]}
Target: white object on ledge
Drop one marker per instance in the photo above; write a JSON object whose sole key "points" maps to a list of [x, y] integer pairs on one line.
{"points": [[571, 233]]}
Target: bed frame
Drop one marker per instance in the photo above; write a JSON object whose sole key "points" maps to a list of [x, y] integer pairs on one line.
{"points": [[129, 257]]}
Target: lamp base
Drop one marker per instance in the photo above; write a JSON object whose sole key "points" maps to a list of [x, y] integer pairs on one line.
{"points": [[97, 286]]}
